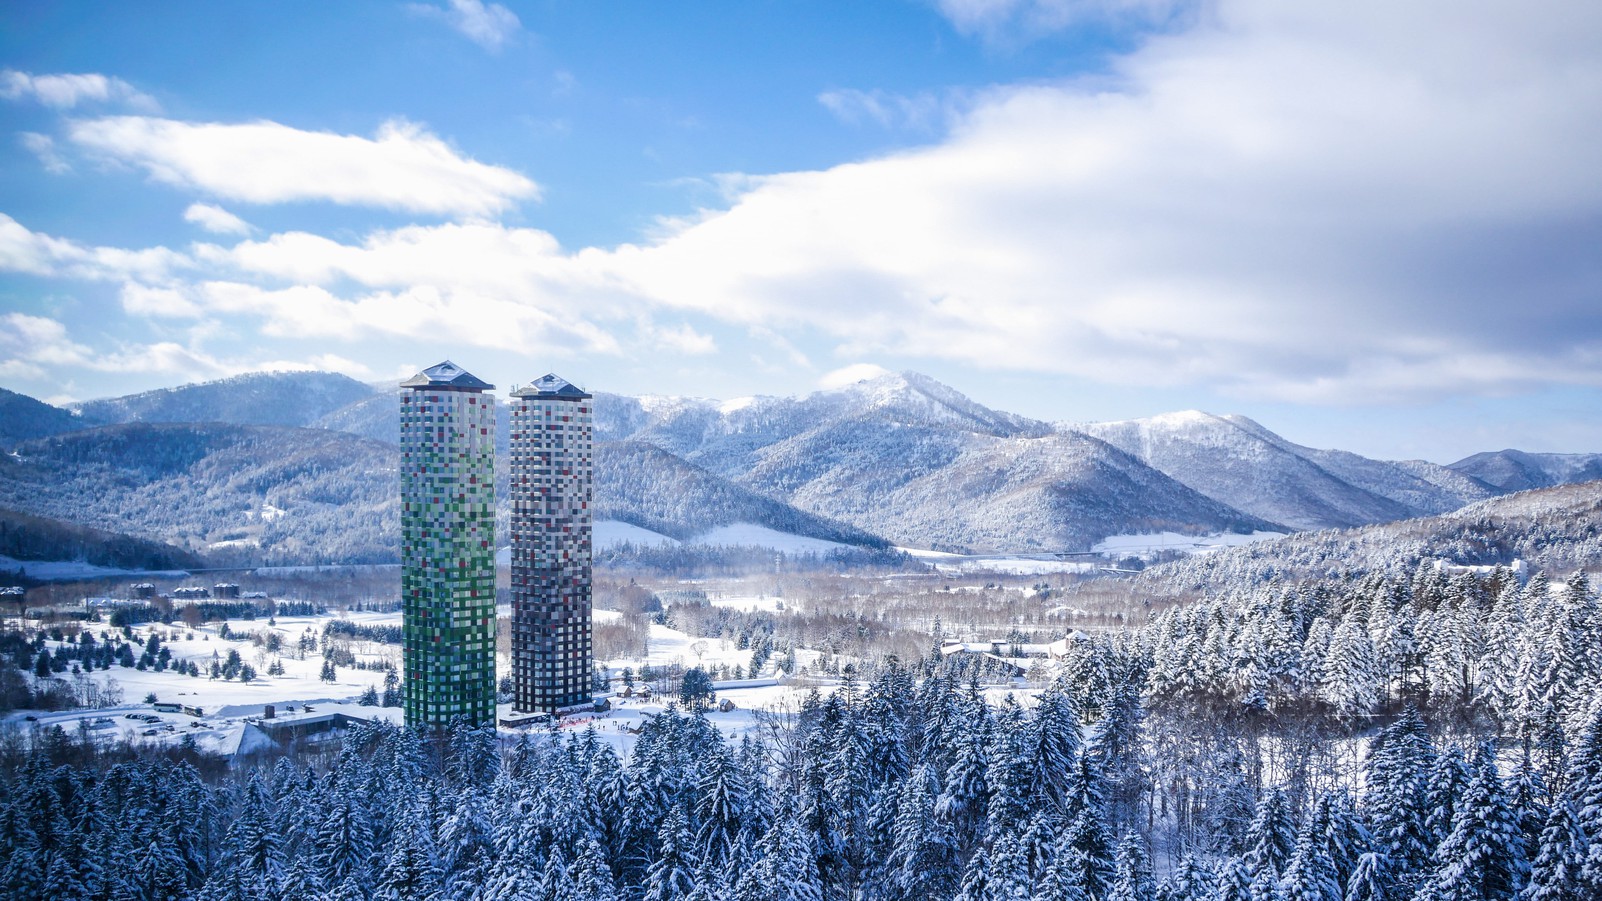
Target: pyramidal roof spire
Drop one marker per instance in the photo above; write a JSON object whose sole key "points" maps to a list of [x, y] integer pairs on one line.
{"points": [[449, 376], [551, 385]]}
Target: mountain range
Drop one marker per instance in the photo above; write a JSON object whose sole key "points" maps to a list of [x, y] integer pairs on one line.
{"points": [[300, 467]]}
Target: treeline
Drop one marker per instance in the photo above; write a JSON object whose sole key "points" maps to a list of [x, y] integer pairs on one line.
{"points": [[344, 628], [209, 611], [895, 791], [1553, 530], [27, 537], [701, 561]]}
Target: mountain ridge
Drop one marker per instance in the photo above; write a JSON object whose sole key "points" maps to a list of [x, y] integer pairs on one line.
{"points": [[898, 455]]}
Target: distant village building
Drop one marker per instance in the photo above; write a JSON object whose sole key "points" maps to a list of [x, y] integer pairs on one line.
{"points": [[143, 591], [190, 593], [989, 651], [225, 591], [1060, 648]]}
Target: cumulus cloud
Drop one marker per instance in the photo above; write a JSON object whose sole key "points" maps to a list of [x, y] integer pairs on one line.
{"points": [[216, 219], [1314, 203], [33, 253], [33, 346], [679, 339], [403, 167], [491, 26], [68, 91], [165, 302], [447, 315], [44, 147], [1279, 203]]}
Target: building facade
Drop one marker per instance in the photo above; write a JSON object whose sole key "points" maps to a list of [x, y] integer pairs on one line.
{"points": [[447, 437], [552, 470]]}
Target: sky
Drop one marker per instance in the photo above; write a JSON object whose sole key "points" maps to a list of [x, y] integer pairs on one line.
{"points": [[1374, 226]]}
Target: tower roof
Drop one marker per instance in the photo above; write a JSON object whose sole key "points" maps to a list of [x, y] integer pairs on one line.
{"points": [[449, 376], [551, 385]]}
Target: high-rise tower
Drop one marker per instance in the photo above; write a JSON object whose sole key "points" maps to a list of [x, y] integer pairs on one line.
{"points": [[447, 437], [552, 469]]}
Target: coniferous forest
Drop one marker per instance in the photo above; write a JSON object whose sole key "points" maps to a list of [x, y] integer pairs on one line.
{"points": [[1388, 738]]}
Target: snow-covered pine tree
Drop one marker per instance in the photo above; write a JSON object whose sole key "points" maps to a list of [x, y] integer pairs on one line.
{"points": [[1132, 879], [671, 876], [1271, 838], [1483, 857], [1371, 881], [1398, 766], [1555, 874]]}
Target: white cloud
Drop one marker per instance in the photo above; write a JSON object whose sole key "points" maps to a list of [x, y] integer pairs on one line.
{"points": [[1011, 21], [447, 315], [216, 219], [850, 375], [491, 26], [679, 339], [144, 300], [29, 252], [917, 112], [1314, 203], [43, 147], [1266, 204], [403, 167], [31, 347], [68, 91]]}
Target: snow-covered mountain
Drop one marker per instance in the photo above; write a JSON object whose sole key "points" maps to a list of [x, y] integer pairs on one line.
{"points": [[1555, 530], [909, 458], [1238, 462], [899, 456], [258, 398], [22, 417], [1513, 470]]}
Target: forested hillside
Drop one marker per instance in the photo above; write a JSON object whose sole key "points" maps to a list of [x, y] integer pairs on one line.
{"points": [[643, 485], [260, 494], [27, 537], [1393, 739], [258, 398], [1555, 529], [23, 418]]}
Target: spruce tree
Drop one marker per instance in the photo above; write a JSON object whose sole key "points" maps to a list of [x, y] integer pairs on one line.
{"points": [[1132, 880], [1483, 857], [1555, 874]]}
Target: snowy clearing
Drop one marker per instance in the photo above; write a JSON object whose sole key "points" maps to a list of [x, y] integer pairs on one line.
{"points": [[1173, 541], [69, 570], [746, 534]]}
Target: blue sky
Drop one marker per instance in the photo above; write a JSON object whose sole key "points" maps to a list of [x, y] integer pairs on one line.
{"points": [[1367, 226]]}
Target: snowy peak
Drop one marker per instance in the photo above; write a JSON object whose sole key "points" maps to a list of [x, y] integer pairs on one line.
{"points": [[1515, 470], [911, 398], [258, 398], [1237, 461]]}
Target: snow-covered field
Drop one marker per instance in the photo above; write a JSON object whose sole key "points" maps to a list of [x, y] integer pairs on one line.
{"points": [[610, 533], [747, 534], [66, 570], [230, 706], [1015, 564], [1118, 545]]}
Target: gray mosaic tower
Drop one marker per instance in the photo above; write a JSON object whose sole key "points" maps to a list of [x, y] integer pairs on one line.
{"points": [[447, 437], [552, 469]]}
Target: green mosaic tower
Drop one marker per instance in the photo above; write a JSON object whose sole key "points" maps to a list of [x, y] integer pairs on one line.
{"points": [[447, 437]]}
